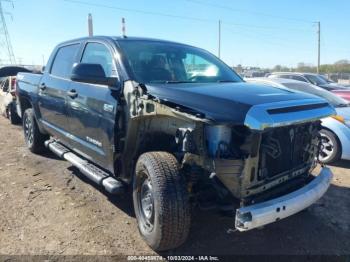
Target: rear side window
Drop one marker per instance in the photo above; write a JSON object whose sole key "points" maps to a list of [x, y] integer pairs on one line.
{"points": [[64, 59]]}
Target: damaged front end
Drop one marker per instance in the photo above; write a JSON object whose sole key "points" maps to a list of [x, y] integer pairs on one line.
{"points": [[267, 163], [263, 162]]}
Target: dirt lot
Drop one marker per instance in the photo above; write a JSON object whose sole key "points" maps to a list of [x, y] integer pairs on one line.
{"points": [[47, 207]]}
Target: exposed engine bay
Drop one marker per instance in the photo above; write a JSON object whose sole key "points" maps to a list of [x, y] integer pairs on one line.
{"points": [[249, 163], [226, 162]]}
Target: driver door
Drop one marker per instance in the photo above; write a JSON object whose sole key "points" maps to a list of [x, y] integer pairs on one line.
{"points": [[92, 110]]}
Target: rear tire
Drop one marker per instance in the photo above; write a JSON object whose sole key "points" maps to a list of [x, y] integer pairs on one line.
{"points": [[32, 135], [161, 201], [12, 115], [330, 148]]}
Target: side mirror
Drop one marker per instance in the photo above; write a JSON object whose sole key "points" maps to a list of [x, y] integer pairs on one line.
{"points": [[92, 74]]}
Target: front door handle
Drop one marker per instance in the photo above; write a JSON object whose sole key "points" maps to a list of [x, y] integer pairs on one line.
{"points": [[72, 93], [42, 86]]}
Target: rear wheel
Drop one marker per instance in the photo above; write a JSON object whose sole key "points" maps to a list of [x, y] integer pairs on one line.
{"points": [[161, 201], [330, 147], [32, 135]]}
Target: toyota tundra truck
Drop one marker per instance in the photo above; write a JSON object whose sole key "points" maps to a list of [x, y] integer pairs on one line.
{"points": [[177, 128]]}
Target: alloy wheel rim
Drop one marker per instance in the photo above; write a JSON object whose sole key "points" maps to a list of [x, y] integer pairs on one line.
{"points": [[327, 148], [28, 130], [146, 204]]}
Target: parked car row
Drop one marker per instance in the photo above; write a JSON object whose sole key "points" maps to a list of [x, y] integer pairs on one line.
{"points": [[315, 79]]}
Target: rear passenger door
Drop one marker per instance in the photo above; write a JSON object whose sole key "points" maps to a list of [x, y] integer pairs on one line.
{"points": [[92, 112], [53, 91]]}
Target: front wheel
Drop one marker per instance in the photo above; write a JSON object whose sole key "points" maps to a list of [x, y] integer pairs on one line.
{"points": [[330, 147], [161, 201], [32, 135]]}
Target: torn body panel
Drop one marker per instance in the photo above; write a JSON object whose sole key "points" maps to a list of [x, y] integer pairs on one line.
{"points": [[245, 162]]}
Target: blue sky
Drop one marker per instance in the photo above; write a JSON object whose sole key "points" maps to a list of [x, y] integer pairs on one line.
{"points": [[254, 32]]}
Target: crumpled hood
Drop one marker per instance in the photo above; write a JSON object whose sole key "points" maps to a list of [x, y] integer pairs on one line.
{"points": [[224, 102]]}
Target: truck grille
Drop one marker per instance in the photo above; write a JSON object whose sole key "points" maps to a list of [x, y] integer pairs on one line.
{"points": [[286, 148]]}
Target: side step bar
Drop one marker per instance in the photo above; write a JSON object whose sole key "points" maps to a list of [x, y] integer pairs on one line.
{"points": [[91, 171]]}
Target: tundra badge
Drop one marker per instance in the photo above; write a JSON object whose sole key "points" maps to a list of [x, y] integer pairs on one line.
{"points": [[93, 141], [108, 107]]}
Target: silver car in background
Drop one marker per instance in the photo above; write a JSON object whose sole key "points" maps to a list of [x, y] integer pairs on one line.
{"points": [[311, 78], [336, 129]]}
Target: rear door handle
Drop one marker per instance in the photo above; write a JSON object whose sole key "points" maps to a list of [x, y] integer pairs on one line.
{"points": [[72, 93], [42, 86]]}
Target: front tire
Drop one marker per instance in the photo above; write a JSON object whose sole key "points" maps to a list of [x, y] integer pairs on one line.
{"points": [[32, 135], [161, 201], [330, 148]]}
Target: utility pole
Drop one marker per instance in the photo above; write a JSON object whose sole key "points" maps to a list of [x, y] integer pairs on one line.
{"points": [[90, 25], [319, 46], [219, 48], [4, 35]]}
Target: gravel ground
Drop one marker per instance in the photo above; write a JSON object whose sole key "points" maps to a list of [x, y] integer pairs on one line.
{"points": [[48, 208]]}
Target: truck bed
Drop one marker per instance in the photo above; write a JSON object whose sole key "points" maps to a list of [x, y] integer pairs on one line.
{"points": [[27, 86]]}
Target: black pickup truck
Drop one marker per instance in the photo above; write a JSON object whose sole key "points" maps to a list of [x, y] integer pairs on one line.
{"points": [[179, 128]]}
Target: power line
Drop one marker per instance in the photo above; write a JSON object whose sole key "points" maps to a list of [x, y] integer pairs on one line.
{"points": [[249, 12], [264, 42], [267, 35], [139, 11], [265, 27], [79, 2]]}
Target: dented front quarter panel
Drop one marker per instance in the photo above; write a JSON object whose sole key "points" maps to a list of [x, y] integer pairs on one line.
{"points": [[159, 109]]}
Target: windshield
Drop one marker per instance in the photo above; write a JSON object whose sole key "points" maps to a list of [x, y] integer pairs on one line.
{"points": [[316, 80], [334, 100], [163, 62]]}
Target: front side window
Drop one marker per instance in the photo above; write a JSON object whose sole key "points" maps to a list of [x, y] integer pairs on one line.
{"points": [[63, 62], [96, 53], [163, 62]]}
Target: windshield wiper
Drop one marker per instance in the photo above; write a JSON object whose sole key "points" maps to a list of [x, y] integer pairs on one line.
{"points": [[178, 82], [342, 105], [170, 82], [226, 81]]}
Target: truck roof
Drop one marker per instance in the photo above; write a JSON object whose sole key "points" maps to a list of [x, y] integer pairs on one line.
{"points": [[119, 38]]}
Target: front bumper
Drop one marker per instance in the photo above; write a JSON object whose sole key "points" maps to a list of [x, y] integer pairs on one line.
{"points": [[264, 213]]}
